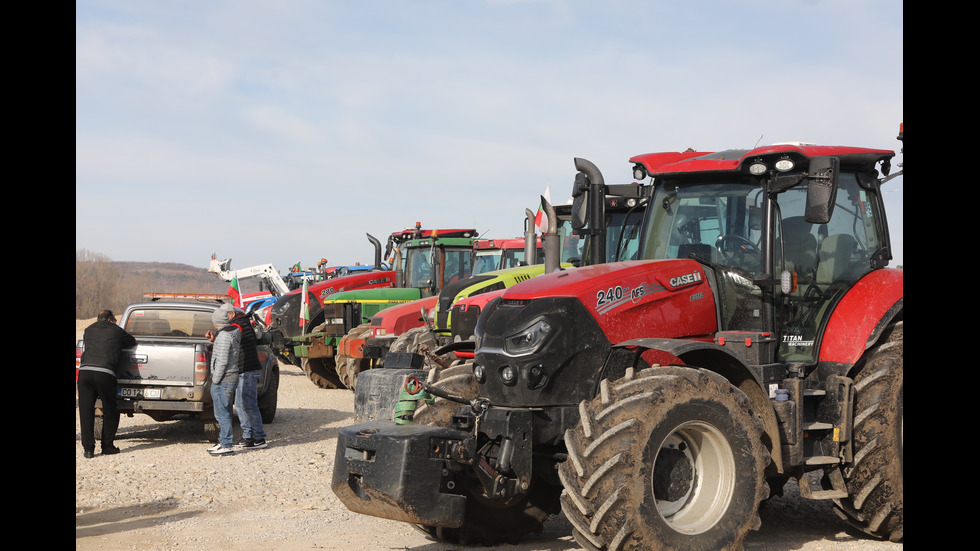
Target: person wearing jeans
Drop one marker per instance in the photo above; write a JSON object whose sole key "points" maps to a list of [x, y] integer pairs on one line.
{"points": [[224, 378], [249, 376], [253, 433]]}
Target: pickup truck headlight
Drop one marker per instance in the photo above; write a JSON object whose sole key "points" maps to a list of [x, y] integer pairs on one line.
{"points": [[528, 340]]}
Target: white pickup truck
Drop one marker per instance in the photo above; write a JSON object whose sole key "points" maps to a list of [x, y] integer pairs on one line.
{"points": [[167, 374]]}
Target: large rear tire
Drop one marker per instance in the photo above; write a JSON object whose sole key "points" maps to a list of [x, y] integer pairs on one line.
{"points": [[347, 367], [665, 458], [875, 479]]}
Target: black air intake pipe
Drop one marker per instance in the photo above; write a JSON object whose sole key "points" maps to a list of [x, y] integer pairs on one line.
{"points": [[597, 208]]}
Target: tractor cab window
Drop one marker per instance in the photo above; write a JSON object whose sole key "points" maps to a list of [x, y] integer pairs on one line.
{"points": [[572, 246], [719, 222], [418, 268], [826, 259], [513, 258], [622, 238], [486, 261], [457, 264], [622, 235]]}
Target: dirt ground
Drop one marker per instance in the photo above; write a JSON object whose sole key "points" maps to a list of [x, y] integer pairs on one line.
{"points": [[164, 492]]}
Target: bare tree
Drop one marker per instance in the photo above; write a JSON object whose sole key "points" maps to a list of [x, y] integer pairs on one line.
{"points": [[95, 283]]}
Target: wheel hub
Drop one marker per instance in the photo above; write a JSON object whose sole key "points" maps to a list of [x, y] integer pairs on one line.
{"points": [[673, 474], [693, 477]]}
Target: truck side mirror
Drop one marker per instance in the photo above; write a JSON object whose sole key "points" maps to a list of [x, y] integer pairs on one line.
{"points": [[821, 191]]}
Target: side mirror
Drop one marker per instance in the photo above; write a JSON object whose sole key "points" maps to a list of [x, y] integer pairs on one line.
{"points": [[580, 201], [821, 191]]}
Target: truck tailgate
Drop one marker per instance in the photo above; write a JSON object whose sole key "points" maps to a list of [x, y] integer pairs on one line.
{"points": [[165, 362]]}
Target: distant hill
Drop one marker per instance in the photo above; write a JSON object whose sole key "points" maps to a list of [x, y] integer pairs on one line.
{"points": [[168, 277]]}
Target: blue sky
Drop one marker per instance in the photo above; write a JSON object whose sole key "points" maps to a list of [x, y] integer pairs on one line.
{"points": [[284, 131]]}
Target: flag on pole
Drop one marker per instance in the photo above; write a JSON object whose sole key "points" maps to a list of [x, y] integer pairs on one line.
{"points": [[235, 291], [304, 309], [541, 219]]}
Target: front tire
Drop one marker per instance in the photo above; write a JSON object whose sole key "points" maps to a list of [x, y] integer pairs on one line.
{"points": [[348, 368], [322, 371], [457, 379], [665, 458]]}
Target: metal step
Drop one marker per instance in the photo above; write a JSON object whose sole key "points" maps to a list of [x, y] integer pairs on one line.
{"points": [[833, 474]]}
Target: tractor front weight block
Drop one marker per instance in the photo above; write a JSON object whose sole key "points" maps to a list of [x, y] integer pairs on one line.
{"points": [[398, 472]]}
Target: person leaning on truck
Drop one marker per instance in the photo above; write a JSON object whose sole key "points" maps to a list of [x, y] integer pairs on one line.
{"points": [[104, 343], [224, 378]]}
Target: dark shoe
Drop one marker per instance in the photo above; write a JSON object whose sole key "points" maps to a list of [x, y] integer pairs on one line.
{"points": [[251, 444], [88, 454], [246, 443], [109, 450]]}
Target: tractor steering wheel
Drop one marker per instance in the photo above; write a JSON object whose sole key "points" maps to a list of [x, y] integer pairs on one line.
{"points": [[733, 248]]}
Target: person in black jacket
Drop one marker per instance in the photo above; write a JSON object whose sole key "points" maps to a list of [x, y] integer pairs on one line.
{"points": [[104, 343], [249, 374]]}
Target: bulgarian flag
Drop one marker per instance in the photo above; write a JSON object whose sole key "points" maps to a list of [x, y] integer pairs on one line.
{"points": [[304, 309], [235, 291], [541, 219]]}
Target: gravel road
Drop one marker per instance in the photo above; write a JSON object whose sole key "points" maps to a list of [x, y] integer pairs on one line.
{"points": [[165, 492]]}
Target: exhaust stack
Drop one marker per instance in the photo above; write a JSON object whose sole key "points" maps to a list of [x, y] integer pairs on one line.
{"points": [[530, 239]]}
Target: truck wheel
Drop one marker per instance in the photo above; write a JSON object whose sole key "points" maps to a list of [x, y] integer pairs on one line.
{"points": [[99, 422], [348, 368], [665, 458], [457, 379], [269, 400], [211, 430], [875, 480]]}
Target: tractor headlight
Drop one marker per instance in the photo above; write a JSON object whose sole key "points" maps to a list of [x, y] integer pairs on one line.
{"points": [[528, 340]]}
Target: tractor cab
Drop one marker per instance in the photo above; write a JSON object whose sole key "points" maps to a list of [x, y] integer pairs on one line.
{"points": [[783, 233]]}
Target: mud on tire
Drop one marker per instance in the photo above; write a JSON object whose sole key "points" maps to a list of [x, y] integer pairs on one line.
{"points": [[348, 368], [665, 458], [875, 479], [322, 371]]}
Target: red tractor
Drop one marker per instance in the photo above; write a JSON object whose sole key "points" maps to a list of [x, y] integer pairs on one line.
{"points": [[658, 402]]}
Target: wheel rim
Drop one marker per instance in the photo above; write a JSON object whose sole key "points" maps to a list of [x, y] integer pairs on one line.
{"points": [[693, 477]]}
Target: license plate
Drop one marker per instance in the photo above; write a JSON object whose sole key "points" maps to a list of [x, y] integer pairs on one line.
{"points": [[144, 393]]}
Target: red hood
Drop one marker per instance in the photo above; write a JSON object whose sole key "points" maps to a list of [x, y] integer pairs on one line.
{"points": [[629, 298], [363, 280]]}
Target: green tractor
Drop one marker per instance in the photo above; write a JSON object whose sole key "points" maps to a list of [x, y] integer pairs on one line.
{"points": [[424, 261]]}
